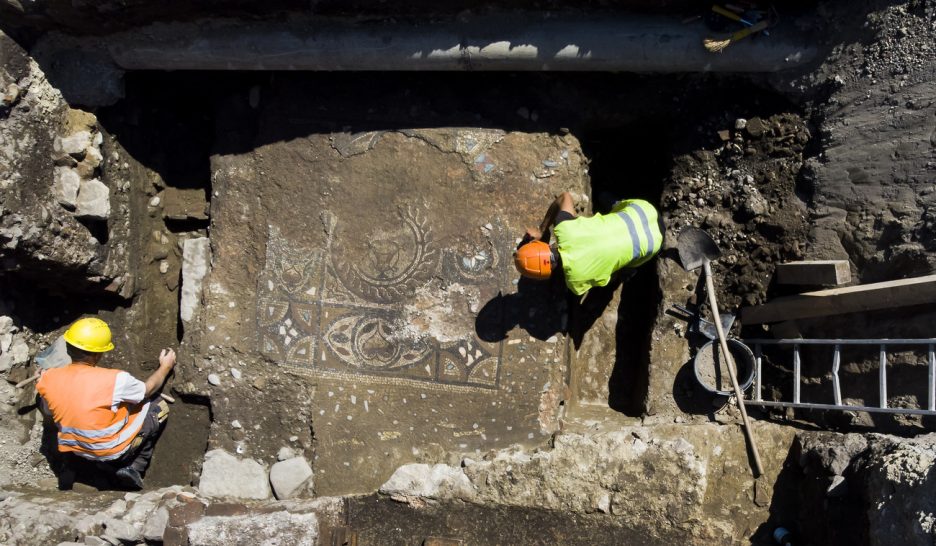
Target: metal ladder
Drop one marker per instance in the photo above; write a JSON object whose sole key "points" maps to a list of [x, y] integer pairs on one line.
{"points": [[836, 387]]}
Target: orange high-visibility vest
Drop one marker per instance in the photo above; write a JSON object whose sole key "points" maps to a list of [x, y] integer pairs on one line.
{"points": [[80, 398]]}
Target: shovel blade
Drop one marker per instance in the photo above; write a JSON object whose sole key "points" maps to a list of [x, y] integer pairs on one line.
{"points": [[695, 247]]}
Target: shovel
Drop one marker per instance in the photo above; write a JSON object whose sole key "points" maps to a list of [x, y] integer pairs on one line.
{"points": [[696, 248], [53, 356]]}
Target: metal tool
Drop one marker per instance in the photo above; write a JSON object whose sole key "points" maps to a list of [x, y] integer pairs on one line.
{"points": [[698, 325], [696, 248]]}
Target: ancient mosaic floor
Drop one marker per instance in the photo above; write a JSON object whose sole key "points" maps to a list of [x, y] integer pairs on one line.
{"points": [[388, 284]]}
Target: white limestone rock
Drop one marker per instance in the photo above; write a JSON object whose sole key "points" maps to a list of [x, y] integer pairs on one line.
{"points": [[65, 186], [19, 351], [289, 477], [438, 481], [278, 528], [224, 475], [73, 145], [93, 200], [6, 325], [94, 157], [6, 362], [155, 525], [122, 530], [196, 260]]}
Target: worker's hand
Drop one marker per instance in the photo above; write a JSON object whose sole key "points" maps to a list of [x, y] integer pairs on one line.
{"points": [[167, 359], [534, 233]]}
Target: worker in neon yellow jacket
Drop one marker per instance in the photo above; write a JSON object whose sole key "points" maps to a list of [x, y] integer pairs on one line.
{"points": [[590, 249]]}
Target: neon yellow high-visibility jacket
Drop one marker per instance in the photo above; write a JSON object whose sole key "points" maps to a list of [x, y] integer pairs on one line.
{"points": [[593, 248]]}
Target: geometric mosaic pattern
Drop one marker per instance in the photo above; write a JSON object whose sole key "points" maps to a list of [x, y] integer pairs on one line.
{"points": [[332, 310]]}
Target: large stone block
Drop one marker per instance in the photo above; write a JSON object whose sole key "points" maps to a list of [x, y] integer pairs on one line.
{"points": [[386, 279], [224, 475], [289, 477], [276, 528]]}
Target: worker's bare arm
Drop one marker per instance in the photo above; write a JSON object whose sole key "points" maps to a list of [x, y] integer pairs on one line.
{"points": [[562, 202], [167, 359]]}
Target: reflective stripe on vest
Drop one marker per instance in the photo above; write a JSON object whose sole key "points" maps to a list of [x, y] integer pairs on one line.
{"points": [[80, 398], [593, 248], [95, 434], [125, 434], [636, 248]]}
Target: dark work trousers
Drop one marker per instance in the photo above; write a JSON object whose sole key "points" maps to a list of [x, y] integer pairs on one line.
{"points": [[141, 450]]}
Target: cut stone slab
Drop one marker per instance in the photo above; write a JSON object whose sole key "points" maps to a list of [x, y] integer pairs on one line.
{"points": [[224, 475], [289, 477], [278, 528], [196, 259], [66, 185], [817, 272], [93, 200]]}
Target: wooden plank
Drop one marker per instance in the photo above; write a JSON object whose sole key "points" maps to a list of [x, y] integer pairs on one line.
{"points": [[850, 299], [815, 272]]}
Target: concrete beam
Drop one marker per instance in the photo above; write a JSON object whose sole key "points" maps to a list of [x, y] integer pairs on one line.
{"points": [[514, 42]]}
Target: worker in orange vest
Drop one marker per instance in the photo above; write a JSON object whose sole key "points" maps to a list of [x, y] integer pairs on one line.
{"points": [[103, 414]]}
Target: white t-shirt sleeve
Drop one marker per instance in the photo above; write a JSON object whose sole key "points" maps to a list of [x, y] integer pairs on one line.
{"points": [[128, 389]]}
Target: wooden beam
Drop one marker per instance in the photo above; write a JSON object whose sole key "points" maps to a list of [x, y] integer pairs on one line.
{"points": [[816, 272], [850, 299]]}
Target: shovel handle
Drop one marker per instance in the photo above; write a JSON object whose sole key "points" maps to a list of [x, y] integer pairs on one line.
{"points": [[27, 381], [729, 360]]}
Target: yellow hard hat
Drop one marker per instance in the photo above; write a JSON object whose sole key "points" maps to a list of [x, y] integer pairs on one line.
{"points": [[89, 334]]}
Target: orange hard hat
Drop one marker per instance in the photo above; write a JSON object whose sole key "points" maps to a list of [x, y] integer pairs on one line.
{"points": [[534, 260]]}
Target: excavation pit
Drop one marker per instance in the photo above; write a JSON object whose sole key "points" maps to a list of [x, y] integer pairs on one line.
{"points": [[361, 229]]}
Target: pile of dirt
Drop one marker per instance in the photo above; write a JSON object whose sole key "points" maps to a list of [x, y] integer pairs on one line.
{"points": [[741, 189]]}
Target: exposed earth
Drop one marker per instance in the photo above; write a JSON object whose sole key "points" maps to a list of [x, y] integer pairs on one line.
{"points": [[330, 253]]}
